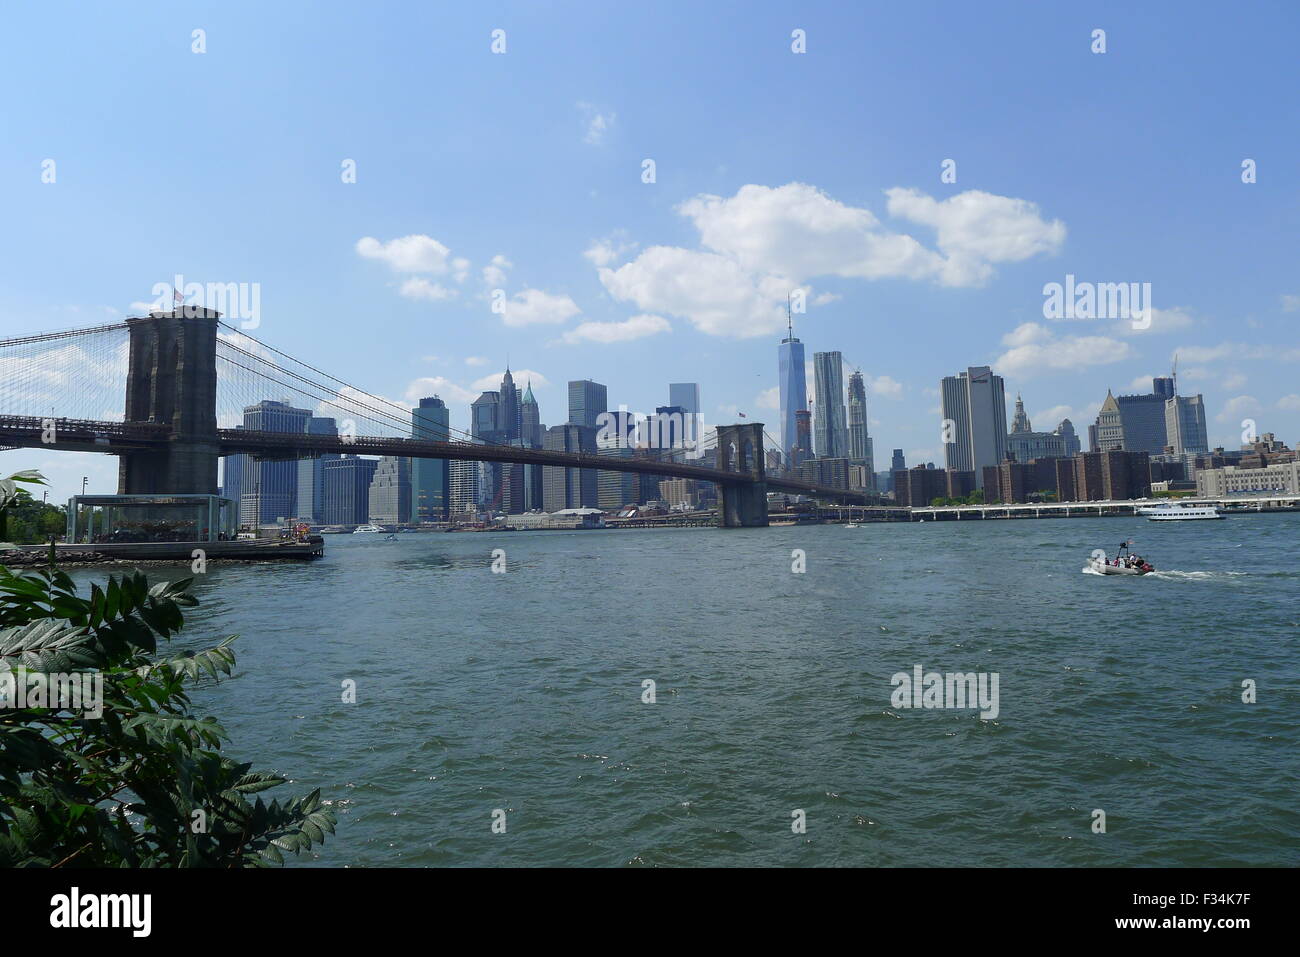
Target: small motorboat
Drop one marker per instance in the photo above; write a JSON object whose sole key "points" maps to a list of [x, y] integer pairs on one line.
{"points": [[1125, 563], [852, 525]]}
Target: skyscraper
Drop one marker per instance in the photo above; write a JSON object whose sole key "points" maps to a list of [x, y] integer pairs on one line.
{"points": [[390, 491], [793, 387], [530, 429], [430, 478], [1185, 424], [569, 487], [860, 450], [686, 395], [1108, 435], [269, 487], [347, 490], [975, 418], [310, 505], [587, 400], [830, 430], [510, 414], [1066, 431], [1020, 421], [802, 450]]}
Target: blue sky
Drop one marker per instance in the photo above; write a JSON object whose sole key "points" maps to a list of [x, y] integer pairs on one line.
{"points": [[773, 170]]}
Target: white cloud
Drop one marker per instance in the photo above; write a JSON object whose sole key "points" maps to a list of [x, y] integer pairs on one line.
{"points": [[822, 299], [602, 252], [1162, 320], [475, 361], [494, 273], [1235, 350], [438, 385], [597, 123], [885, 386], [1141, 385], [975, 229], [492, 382], [769, 398], [1033, 349], [1238, 406], [1290, 303], [415, 253], [533, 306], [418, 287], [1234, 381], [637, 327], [460, 269], [1291, 402], [715, 293], [760, 243]]}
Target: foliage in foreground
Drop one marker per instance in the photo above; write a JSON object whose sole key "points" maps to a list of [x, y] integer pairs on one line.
{"points": [[145, 784]]}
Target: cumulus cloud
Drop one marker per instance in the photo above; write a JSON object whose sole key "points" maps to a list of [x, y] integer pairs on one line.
{"points": [[418, 287], [492, 381], [637, 327], [885, 386], [533, 306], [602, 252], [1033, 348], [769, 398], [494, 273], [475, 361], [1238, 406], [596, 124], [1290, 303], [760, 243], [1162, 320], [438, 385], [415, 253], [1290, 402]]}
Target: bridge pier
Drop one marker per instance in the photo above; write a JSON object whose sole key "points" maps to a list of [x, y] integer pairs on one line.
{"points": [[172, 380], [740, 449]]}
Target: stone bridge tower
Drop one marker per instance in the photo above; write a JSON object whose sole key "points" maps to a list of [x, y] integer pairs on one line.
{"points": [[171, 380], [740, 449]]}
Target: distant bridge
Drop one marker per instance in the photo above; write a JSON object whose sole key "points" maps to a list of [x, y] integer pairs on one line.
{"points": [[169, 441]]}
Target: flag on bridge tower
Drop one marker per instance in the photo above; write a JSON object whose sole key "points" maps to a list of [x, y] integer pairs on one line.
{"points": [[176, 295]]}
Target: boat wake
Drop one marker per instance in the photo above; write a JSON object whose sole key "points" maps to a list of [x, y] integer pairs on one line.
{"points": [[1174, 574]]}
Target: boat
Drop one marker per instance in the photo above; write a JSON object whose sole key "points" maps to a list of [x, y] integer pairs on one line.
{"points": [[367, 529], [1125, 563], [1168, 512], [852, 525]]}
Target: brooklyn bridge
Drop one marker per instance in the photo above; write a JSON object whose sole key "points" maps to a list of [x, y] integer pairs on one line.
{"points": [[162, 392]]}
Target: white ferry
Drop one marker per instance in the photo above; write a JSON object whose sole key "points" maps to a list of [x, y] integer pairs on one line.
{"points": [[367, 529], [1168, 512]]}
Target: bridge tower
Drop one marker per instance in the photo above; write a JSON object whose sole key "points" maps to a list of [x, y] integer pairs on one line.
{"points": [[172, 380], [740, 449]]}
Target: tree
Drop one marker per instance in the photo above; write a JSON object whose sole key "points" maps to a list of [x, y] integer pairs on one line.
{"points": [[144, 782], [22, 518], [976, 497]]}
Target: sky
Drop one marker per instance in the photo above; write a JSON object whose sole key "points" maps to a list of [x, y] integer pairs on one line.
{"points": [[417, 208]]}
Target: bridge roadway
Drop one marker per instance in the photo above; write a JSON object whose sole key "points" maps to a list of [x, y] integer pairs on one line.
{"points": [[81, 435]]}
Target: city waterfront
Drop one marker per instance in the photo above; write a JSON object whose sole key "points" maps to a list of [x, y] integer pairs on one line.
{"points": [[522, 691]]}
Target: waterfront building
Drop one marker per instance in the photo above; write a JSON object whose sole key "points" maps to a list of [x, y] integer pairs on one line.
{"points": [[269, 487], [830, 472], [1069, 437], [1142, 418], [1282, 478], [1185, 424], [587, 400], [1111, 475], [802, 449], [463, 483], [530, 419], [509, 411], [975, 404], [569, 487], [919, 486], [793, 389], [830, 426], [347, 490], [1108, 434], [390, 491], [1024, 444], [680, 493], [860, 447], [310, 506], [430, 478]]}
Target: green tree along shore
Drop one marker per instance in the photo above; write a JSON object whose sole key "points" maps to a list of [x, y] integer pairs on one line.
{"points": [[102, 761], [24, 520]]}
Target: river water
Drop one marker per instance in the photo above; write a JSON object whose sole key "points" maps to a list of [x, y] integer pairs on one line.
{"points": [[523, 691]]}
